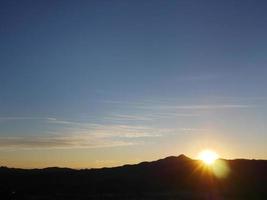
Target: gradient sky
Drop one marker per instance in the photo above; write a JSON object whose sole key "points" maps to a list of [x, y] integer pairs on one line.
{"points": [[104, 83]]}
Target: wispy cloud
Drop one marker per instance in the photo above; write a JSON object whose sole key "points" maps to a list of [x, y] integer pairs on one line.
{"points": [[85, 136], [170, 104], [194, 130], [148, 116], [23, 118], [207, 106], [59, 121], [126, 131], [119, 130], [129, 117], [46, 119], [59, 142], [148, 112]]}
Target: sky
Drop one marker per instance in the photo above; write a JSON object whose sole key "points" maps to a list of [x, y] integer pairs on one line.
{"points": [[104, 83]]}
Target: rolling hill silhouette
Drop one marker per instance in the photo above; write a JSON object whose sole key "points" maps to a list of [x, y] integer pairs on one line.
{"points": [[169, 178]]}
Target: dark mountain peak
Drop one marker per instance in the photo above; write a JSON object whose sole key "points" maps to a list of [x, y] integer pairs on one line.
{"points": [[183, 157], [172, 160]]}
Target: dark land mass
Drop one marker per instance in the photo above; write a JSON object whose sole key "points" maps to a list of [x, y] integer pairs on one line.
{"points": [[170, 178]]}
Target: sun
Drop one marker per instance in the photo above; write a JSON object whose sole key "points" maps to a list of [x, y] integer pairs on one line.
{"points": [[208, 156]]}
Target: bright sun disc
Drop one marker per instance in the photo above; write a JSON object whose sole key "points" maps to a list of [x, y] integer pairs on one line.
{"points": [[208, 156]]}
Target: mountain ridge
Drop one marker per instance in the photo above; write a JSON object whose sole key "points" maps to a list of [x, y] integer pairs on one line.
{"points": [[168, 158], [173, 177]]}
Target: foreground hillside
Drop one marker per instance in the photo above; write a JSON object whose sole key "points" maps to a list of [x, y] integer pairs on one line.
{"points": [[170, 178]]}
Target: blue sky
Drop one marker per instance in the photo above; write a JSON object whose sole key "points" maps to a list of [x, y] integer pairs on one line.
{"points": [[136, 80]]}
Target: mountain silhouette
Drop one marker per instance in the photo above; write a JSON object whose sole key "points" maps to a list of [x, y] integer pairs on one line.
{"points": [[174, 177]]}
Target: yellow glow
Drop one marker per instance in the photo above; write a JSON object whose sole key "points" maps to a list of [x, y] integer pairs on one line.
{"points": [[208, 156]]}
